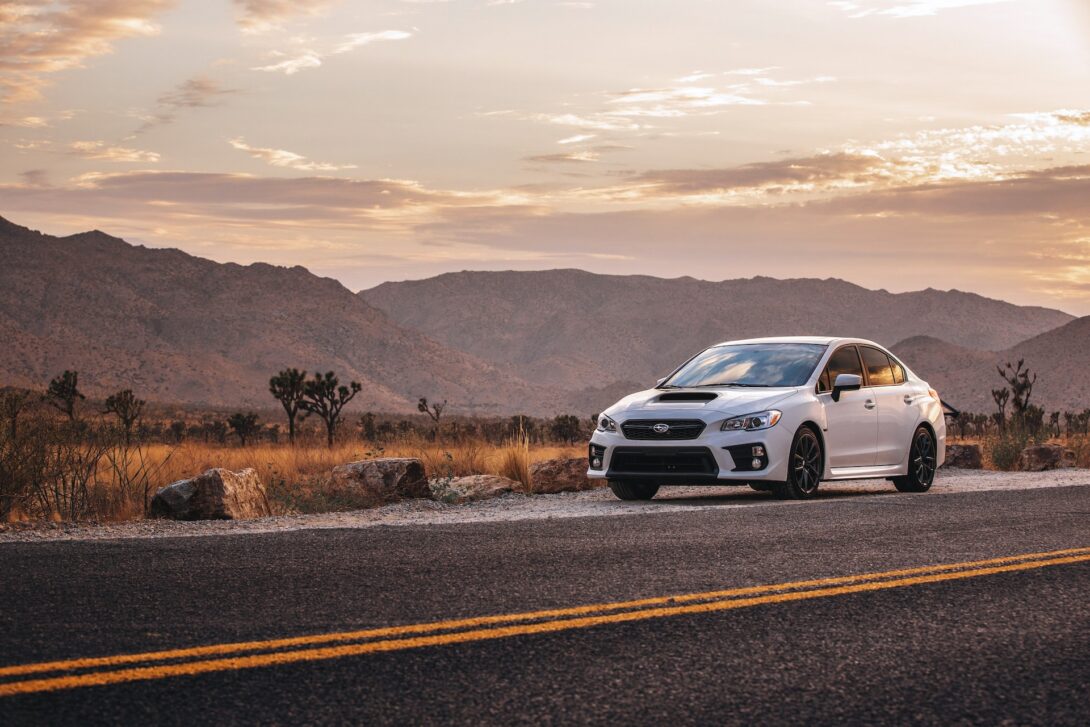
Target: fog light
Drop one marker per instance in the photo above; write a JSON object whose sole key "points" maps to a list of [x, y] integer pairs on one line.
{"points": [[758, 451], [596, 463], [756, 464]]}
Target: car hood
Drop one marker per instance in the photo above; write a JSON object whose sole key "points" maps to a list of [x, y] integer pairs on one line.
{"points": [[728, 400]]}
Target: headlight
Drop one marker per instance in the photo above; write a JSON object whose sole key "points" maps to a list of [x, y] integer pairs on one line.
{"points": [[605, 424], [752, 422]]}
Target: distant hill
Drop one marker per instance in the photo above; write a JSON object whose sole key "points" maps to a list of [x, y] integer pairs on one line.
{"points": [[571, 329], [174, 327], [1060, 357]]}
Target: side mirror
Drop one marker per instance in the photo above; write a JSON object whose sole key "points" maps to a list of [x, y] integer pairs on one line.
{"points": [[846, 382]]}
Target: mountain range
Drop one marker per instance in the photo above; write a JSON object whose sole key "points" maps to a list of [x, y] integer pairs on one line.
{"points": [[174, 327]]}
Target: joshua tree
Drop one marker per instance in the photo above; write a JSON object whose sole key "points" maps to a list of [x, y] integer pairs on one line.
{"points": [[12, 403], [1021, 385], [567, 428], [434, 411], [63, 392], [244, 426], [324, 396], [1001, 396], [287, 386], [127, 408], [367, 426]]}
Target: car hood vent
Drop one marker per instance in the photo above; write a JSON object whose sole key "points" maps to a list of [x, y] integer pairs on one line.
{"points": [[688, 396]]}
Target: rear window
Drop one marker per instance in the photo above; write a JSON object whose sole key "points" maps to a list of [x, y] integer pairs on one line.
{"points": [[879, 369]]}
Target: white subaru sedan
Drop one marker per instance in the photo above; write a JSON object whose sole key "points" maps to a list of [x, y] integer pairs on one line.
{"points": [[778, 414]]}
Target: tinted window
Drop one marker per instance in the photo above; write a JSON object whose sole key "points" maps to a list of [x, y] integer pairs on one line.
{"points": [[751, 364], [898, 371], [879, 371], [844, 361]]}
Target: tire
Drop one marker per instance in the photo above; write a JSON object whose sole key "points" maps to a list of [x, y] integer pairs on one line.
{"points": [[633, 490], [761, 486], [922, 458], [805, 467]]}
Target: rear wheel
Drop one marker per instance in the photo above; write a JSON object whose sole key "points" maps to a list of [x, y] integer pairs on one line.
{"points": [[804, 468], [633, 490], [922, 458]]}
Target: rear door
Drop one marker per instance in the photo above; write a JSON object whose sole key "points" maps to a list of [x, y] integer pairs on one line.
{"points": [[852, 433], [895, 415]]}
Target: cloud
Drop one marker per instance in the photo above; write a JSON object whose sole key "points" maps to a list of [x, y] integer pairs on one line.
{"points": [[283, 158], [194, 93], [905, 8], [575, 156], [309, 58], [259, 16], [103, 151], [576, 139], [41, 37]]}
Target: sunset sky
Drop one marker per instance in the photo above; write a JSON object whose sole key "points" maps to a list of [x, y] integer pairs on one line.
{"points": [[899, 144]]}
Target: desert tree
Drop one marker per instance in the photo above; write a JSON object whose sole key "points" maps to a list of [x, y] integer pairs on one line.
{"points": [[63, 393], [244, 426], [1021, 385], [1001, 397], [12, 404], [434, 412], [566, 428], [288, 388], [127, 408], [367, 426], [325, 396]]}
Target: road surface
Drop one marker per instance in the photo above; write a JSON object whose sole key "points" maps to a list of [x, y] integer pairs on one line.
{"points": [[932, 609]]}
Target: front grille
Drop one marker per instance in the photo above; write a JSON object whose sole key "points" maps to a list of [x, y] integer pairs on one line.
{"points": [[663, 461], [676, 429]]}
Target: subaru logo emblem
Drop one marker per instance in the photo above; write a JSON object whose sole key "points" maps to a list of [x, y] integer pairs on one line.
{"points": [[660, 428]]}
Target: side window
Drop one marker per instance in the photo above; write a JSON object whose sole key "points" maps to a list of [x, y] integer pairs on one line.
{"points": [[898, 371], [843, 361], [879, 370]]}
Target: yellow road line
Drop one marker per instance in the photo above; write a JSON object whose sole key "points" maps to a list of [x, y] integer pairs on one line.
{"points": [[397, 644], [449, 625]]}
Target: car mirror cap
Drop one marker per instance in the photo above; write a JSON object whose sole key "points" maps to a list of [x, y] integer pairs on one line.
{"points": [[846, 382]]}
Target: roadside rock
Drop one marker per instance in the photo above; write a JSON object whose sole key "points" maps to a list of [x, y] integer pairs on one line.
{"points": [[561, 475], [472, 488], [1043, 457], [964, 456], [218, 494], [388, 478]]}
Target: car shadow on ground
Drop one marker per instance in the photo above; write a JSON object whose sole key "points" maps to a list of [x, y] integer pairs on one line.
{"points": [[737, 495]]}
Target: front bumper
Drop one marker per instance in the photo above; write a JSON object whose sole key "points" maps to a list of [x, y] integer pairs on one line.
{"points": [[714, 458]]}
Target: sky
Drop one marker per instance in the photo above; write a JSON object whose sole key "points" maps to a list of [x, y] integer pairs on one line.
{"points": [[898, 144]]}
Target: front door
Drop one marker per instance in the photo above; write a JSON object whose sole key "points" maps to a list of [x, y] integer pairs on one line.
{"points": [[852, 433], [895, 415]]}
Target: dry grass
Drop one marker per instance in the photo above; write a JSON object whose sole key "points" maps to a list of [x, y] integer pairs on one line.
{"points": [[298, 477]]}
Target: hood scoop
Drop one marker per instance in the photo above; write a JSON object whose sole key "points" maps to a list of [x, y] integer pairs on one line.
{"points": [[688, 396]]}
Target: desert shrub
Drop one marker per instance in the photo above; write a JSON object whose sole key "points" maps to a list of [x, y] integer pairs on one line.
{"points": [[515, 460]]}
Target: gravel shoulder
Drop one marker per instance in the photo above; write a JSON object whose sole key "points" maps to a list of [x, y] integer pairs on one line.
{"points": [[592, 503]]}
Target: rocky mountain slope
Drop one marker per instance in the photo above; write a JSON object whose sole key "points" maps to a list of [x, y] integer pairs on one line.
{"points": [[966, 377], [572, 329], [175, 327]]}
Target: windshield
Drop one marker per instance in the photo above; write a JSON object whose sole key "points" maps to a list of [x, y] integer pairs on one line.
{"points": [[750, 364]]}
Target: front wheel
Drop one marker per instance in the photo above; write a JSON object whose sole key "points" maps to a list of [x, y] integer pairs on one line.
{"points": [[633, 490], [804, 468], [922, 457]]}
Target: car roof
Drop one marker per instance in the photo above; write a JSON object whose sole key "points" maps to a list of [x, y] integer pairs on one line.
{"points": [[819, 340]]}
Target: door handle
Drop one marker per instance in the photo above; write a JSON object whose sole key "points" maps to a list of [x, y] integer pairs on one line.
{"points": [[869, 403], [909, 398]]}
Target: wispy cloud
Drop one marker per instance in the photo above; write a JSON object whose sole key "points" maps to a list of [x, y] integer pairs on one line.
{"points": [[574, 156], [295, 61], [905, 8], [103, 151], [39, 38], [284, 158], [259, 16], [194, 93]]}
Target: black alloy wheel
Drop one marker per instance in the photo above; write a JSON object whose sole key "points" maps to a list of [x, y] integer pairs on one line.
{"points": [[922, 463], [804, 469]]}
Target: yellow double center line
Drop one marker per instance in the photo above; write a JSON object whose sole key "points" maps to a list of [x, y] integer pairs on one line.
{"points": [[74, 673]]}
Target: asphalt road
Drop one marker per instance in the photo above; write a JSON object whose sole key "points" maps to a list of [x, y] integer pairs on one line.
{"points": [[986, 643]]}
